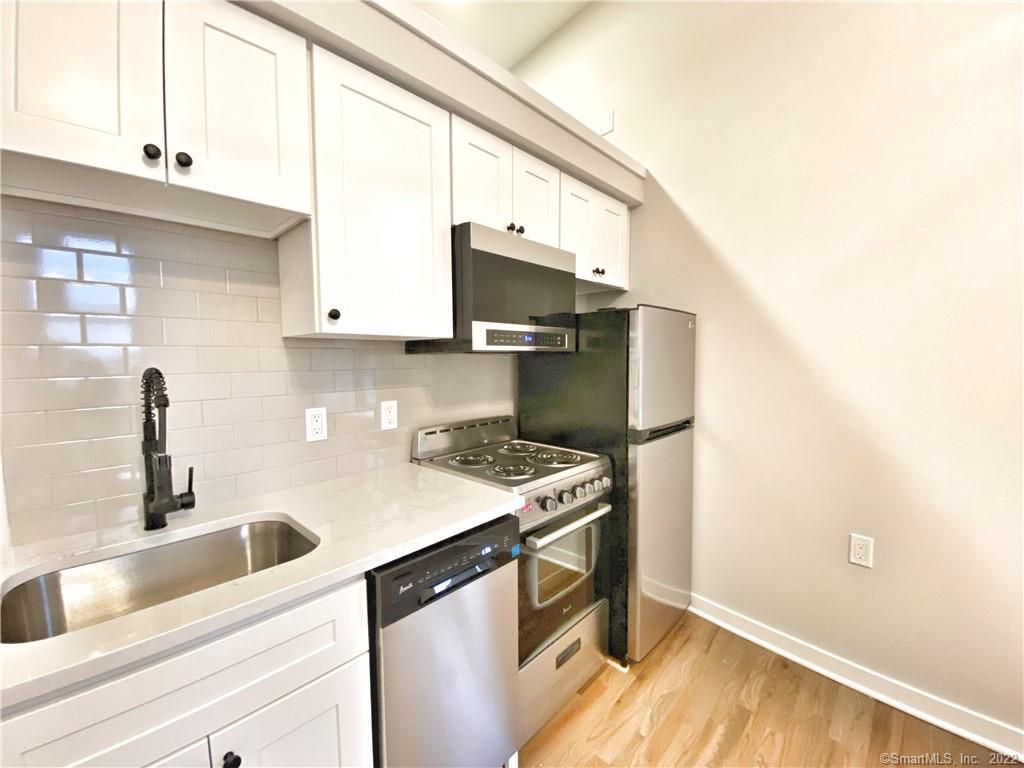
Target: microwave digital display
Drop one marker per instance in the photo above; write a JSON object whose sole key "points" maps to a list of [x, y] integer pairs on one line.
{"points": [[505, 338]]}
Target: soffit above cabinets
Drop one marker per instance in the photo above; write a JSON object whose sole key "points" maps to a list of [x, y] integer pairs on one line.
{"points": [[406, 45]]}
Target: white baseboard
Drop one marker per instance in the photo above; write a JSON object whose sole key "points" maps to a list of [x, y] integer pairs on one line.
{"points": [[933, 709]]}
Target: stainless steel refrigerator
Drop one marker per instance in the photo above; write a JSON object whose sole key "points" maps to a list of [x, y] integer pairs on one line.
{"points": [[628, 392]]}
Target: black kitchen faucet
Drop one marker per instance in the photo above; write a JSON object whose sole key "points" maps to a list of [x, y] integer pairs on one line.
{"points": [[159, 498]]}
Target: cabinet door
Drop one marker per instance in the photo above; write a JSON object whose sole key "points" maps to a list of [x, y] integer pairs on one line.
{"points": [[238, 105], [196, 755], [481, 176], [324, 723], [83, 82], [596, 228], [383, 210], [535, 200]]}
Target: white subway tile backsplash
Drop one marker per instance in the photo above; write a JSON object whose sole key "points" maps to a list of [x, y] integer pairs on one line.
{"points": [[22, 428], [90, 299], [227, 359], [264, 383], [40, 328], [201, 386], [18, 293], [194, 277], [88, 422], [264, 481], [99, 268], [253, 283], [167, 359], [331, 359], [20, 362], [154, 244], [232, 411], [64, 296], [159, 302], [269, 310], [59, 362], [219, 306], [21, 260], [102, 329], [233, 462], [285, 359]]}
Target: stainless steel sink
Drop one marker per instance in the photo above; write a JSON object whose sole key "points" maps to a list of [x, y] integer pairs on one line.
{"points": [[83, 595]]}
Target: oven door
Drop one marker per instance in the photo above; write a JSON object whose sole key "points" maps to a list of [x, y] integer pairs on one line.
{"points": [[556, 576]]}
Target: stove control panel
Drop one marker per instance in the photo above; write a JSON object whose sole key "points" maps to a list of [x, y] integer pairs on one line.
{"points": [[561, 497]]}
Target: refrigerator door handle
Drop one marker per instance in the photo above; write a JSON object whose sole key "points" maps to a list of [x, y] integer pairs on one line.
{"points": [[645, 435]]}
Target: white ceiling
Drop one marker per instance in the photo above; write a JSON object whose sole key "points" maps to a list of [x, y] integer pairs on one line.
{"points": [[505, 31]]}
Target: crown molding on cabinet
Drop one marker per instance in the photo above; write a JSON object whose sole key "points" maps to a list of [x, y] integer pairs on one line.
{"points": [[400, 42]]}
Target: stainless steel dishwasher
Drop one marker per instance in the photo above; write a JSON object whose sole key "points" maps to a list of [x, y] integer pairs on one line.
{"points": [[445, 648]]}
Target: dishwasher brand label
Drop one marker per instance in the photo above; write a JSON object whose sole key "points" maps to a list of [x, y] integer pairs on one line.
{"points": [[403, 588]]}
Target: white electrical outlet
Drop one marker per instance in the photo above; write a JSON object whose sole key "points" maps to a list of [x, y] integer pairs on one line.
{"points": [[862, 550], [316, 424], [389, 414]]}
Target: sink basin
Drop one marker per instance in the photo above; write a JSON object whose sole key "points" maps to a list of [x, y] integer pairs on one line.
{"points": [[83, 595]]}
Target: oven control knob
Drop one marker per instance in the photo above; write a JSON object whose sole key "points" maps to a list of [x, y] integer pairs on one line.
{"points": [[589, 486], [566, 497], [548, 504], [579, 491], [606, 482]]}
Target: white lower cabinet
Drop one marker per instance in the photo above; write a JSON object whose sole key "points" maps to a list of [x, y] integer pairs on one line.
{"points": [[195, 755], [289, 689], [325, 723]]}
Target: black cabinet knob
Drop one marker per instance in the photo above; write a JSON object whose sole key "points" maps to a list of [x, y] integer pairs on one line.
{"points": [[334, 314], [521, 230], [152, 151], [511, 226], [184, 159], [231, 760]]}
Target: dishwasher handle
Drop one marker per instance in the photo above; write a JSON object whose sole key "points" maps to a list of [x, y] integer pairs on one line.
{"points": [[439, 589]]}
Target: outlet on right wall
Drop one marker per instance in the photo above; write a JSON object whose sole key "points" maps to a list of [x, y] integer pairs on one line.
{"points": [[835, 189]]}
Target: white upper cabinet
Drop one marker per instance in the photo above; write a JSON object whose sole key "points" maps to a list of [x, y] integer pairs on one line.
{"points": [[595, 227], [377, 260], [501, 186], [83, 83], [481, 176], [237, 105], [535, 202]]}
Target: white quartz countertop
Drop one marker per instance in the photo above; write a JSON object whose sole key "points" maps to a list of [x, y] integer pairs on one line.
{"points": [[362, 521]]}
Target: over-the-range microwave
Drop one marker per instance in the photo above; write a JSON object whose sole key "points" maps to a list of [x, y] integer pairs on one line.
{"points": [[507, 295]]}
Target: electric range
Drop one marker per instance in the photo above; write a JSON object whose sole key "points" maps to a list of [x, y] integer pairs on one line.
{"points": [[564, 494], [550, 480]]}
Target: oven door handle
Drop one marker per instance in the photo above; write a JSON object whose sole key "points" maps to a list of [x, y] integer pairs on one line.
{"points": [[539, 542]]}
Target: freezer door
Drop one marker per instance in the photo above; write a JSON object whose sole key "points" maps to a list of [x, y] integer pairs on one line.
{"points": [[661, 512], [661, 354]]}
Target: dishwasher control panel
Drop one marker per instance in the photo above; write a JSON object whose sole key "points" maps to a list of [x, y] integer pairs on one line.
{"points": [[406, 585]]}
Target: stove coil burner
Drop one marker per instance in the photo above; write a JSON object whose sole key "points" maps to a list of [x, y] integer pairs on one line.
{"points": [[471, 460], [553, 458], [511, 471], [518, 448]]}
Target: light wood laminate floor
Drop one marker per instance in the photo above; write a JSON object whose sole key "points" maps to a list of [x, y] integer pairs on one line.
{"points": [[706, 697]]}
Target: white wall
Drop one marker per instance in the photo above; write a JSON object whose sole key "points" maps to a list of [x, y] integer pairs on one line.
{"points": [[836, 190]]}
